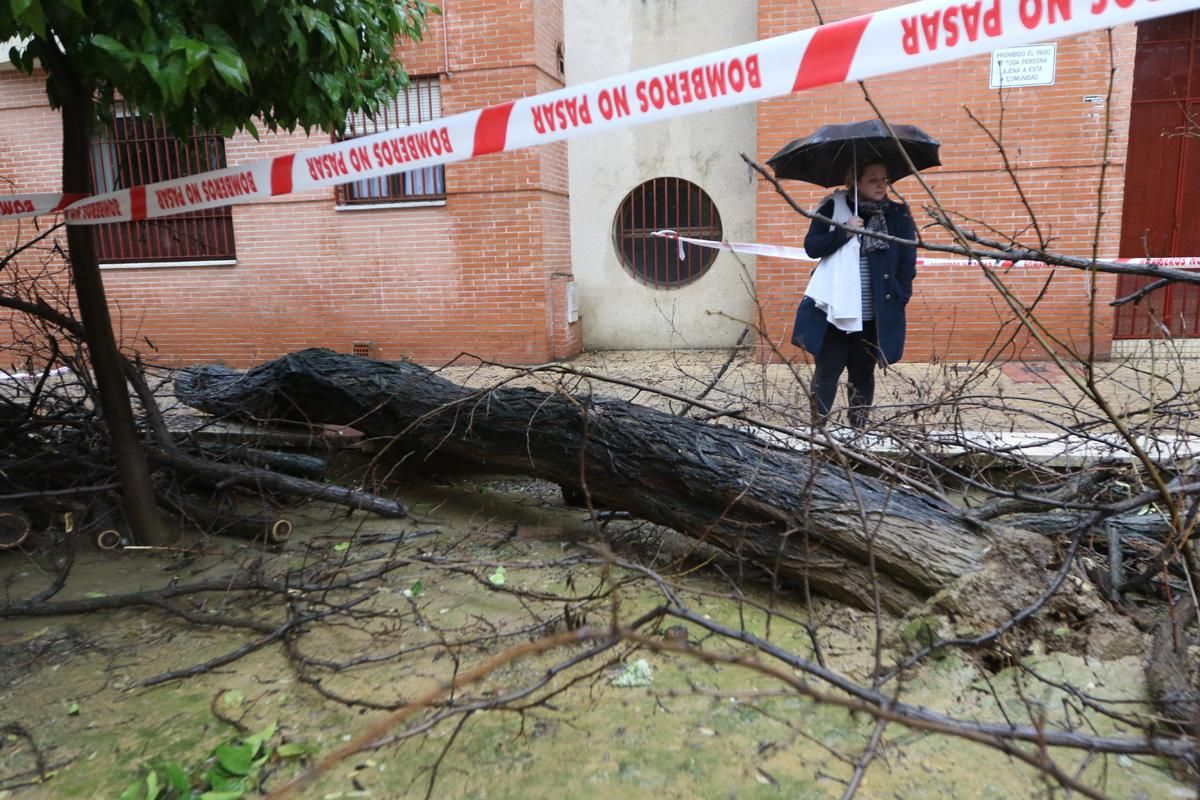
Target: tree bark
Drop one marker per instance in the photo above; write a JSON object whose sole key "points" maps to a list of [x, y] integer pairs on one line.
{"points": [[297, 464], [804, 520], [136, 489], [265, 480], [1149, 529]]}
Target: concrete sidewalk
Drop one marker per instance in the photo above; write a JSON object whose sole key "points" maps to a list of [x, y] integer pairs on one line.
{"points": [[1027, 407]]}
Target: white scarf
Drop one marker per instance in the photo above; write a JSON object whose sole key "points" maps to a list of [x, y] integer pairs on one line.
{"points": [[836, 284]]}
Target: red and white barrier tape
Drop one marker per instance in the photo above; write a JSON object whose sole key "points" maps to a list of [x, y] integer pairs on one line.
{"points": [[892, 40], [798, 254], [1170, 261], [32, 205], [749, 248]]}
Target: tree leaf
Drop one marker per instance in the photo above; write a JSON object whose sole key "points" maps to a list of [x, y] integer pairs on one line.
{"points": [[256, 741], [114, 48], [197, 53], [143, 13], [198, 64], [30, 12], [152, 787], [217, 37], [218, 780], [175, 777], [325, 27], [235, 758], [341, 547], [231, 67], [498, 577], [349, 36], [309, 16], [330, 85], [173, 80], [295, 37], [295, 749], [150, 62]]}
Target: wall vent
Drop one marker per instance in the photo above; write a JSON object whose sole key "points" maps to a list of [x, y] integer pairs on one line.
{"points": [[363, 349], [572, 302]]}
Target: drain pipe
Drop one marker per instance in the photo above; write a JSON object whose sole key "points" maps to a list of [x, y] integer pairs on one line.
{"points": [[445, 39]]}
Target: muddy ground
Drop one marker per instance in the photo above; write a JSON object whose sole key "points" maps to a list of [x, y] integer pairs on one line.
{"points": [[78, 721], [695, 730]]}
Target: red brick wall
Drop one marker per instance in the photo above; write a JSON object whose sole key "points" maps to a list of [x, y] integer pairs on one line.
{"points": [[486, 273], [30, 136], [1054, 140]]}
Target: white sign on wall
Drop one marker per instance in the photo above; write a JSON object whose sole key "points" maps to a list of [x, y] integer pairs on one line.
{"points": [[1023, 66]]}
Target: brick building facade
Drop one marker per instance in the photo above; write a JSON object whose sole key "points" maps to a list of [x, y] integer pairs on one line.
{"points": [[488, 270], [484, 271], [1067, 144]]}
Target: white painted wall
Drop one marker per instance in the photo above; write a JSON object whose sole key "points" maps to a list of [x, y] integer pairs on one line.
{"points": [[609, 37]]}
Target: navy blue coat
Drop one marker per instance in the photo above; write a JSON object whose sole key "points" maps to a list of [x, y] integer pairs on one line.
{"points": [[892, 274]]}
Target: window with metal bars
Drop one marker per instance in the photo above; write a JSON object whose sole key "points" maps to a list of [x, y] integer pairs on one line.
{"points": [[666, 203], [135, 150], [420, 101]]}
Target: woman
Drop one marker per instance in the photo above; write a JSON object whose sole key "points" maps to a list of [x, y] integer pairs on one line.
{"points": [[850, 325]]}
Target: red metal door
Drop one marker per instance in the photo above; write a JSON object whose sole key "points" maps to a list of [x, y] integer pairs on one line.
{"points": [[1161, 215]]}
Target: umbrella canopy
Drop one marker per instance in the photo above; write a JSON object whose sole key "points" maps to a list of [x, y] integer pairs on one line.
{"points": [[826, 156]]}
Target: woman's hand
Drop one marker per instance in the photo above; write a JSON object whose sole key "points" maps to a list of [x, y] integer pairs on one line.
{"points": [[855, 222]]}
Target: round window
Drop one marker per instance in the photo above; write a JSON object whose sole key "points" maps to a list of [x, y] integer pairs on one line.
{"points": [[671, 204]]}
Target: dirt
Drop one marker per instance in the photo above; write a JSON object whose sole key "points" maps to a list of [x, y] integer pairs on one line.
{"points": [[698, 730]]}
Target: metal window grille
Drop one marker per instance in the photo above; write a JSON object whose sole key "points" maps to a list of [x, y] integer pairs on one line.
{"points": [[420, 101], [136, 150], [674, 204]]}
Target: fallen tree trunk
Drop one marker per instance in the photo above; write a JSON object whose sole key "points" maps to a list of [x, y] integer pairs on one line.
{"points": [[787, 511]]}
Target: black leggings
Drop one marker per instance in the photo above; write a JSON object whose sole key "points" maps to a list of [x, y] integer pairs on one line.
{"points": [[855, 354]]}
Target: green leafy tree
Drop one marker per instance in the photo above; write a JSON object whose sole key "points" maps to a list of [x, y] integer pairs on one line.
{"points": [[218, 65]]}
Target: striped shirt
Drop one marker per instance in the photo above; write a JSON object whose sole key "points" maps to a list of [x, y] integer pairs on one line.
{"points": [[868, 294]]}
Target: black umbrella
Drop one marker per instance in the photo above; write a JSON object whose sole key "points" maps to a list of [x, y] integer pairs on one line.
{"points": [[825, 157]]}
